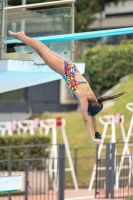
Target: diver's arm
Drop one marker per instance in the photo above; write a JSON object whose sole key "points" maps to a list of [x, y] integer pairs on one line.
{"points": [[87, 123], [83, 107], [95, 127], [95, 124]]}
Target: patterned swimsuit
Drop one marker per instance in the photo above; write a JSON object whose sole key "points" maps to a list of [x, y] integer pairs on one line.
{"points": [[69, 76]]}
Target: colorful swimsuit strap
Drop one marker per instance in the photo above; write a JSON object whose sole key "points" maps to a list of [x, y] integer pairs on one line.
{"points": [[81, 81]]}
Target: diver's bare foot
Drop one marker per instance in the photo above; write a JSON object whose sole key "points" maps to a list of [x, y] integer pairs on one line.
{"points": [[17, 35]]}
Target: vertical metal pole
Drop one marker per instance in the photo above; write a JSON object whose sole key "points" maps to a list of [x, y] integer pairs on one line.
{"points": [[26, 180], [23, 21], [9, 161], [61, 172], [2, 29], [26, 175], [9, 167], [73, 29], [23, 2], [110, 170]]}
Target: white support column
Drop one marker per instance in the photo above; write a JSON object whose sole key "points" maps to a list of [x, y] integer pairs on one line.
{"points": [[54, 149], [23, 20], [69, 155], [23, 2], [54, 124]]}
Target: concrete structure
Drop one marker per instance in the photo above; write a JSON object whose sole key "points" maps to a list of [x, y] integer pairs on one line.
{"points": [[114, 16]]}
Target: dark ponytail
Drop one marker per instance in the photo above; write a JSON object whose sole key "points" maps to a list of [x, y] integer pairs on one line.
{"points": [[95, 107], [105, 98]]}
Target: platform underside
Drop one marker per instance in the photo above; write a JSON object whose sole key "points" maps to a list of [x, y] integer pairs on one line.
{"points": [[16, 74]]}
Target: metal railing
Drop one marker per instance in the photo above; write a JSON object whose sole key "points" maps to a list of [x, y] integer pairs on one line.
{"points": [[37, 176], [36, 5], [112, 179], [2, 9]]}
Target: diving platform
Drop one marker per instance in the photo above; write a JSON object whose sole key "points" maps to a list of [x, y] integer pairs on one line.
{"points": [[16, 74], [78, 36]]}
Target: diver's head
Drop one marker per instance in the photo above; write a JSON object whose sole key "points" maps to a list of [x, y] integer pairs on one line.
{"points": [[94, 107]]}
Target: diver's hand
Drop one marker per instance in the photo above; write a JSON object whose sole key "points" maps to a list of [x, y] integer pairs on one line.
{"points": [[96, 141], [97, 135]]}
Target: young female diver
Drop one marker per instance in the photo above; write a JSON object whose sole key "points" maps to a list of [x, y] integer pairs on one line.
{"points": [[79, 87]]}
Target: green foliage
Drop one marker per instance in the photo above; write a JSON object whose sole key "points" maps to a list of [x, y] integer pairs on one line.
{"points": [[13, 193], [127, 42], [107, 64], [85, 14], [19, 140], [115, 1]]}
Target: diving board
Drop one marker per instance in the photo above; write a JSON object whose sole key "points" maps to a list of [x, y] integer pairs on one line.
{"points": [[79, 36], [16, 74]]}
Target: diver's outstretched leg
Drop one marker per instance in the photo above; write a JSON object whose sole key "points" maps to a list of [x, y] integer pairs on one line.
{"points": [[50, 59]]}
